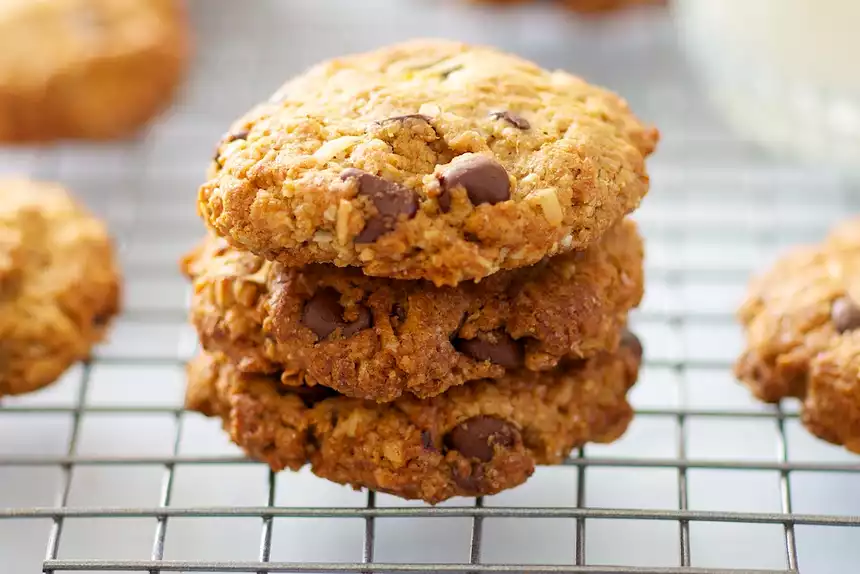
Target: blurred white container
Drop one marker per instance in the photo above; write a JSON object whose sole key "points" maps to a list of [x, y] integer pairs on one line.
{"points": [[785, 73]]}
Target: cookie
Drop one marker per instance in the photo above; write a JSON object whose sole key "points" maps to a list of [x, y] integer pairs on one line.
{"points": [[59, 284], [596, 6], [474, 440], [87, 69], [802, 324], [427, 160], [377, 338], [587, 6]]}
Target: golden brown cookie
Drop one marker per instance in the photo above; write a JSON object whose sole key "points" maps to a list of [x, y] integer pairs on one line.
{"points": [[59, 284], [587, 6], [474, 440], [428, 160], [377, 338], [802, 322], [89, 69]]}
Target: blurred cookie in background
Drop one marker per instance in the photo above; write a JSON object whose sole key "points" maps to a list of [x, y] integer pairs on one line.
{"points": [[59, 284], [608, 5], [587, 6], [87, 69]]}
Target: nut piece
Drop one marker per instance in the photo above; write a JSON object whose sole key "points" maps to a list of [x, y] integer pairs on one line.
{"points": [[344, 210], [548, 201]]}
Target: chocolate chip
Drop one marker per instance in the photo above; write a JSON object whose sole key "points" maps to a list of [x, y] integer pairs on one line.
{"points": [[498, 348], [845, 314], [427, 440], [476, 437], [484, 179], [422, 117], [518, 122], [390, 199], [364, 320], [632, 342], [323, 314]]}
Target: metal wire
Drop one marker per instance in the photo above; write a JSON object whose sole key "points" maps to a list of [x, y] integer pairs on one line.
{"points": [[676, 221]]}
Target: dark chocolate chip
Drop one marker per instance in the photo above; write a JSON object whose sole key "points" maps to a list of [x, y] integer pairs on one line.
{"points": [[484, 179], [427, 440], [518, 122], [390, 199], [364, 320], [323, 314], [632, 342], [422, 117], [476, 437], [845, 314], [499, 349]]}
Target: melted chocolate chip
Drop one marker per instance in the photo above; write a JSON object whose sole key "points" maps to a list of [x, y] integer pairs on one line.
{"points": [[632, 342], [484, 179], [390, 199], [500, 349], [323, 314], [476, 437], [845, 314], [518, 122], [364, 320]]}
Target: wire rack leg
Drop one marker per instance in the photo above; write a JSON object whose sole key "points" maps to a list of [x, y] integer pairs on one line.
{"points": [[785, 492], [266, 536], [369, 531], [580, 503], [166, 492], [477, 533], [66, 481]]}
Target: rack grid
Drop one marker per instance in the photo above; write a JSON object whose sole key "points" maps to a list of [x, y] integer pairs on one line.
{"points": [[100, 472]]}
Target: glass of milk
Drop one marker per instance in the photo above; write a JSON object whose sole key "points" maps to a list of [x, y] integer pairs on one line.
{"points": [[786, 73]]}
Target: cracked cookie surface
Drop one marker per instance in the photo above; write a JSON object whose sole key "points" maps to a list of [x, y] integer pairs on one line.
{"points": [[377, 338], [59, 284], [89, 69], [474, 440], [802, 323], [428, 160]]}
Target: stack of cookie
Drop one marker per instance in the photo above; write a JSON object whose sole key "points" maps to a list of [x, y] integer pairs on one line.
{"points": [[419, 273]]}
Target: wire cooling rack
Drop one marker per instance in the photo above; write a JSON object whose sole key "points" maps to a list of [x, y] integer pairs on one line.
{"points": [[105, 472]]}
